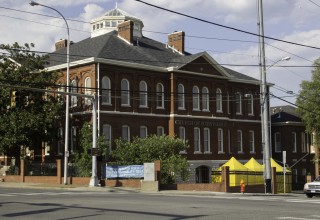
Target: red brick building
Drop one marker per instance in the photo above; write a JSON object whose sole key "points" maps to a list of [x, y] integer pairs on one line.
{"points": [[146, 87]]}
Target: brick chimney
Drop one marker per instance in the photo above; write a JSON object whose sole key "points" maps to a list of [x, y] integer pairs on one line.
{"points": [[176, 41], [125, 31], [62, 43]]}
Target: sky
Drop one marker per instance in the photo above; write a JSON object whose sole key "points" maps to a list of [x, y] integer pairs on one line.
{"points": [[289, 20]]}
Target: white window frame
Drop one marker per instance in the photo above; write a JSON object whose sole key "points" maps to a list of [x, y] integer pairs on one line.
{"points": [[220, 141], [277, 142], [181, 97], [160, 96], [160, 131], [228, 103], [196, 140], [107, 132], [251, 142], [106, 91], [143, 131], [239, 141], [87, 90], [238, 103], [294, 142], [250, 104], [125, 92], [218, 100], [195, 98], [182, 136], [303, 142], [74, 89], [125, 133], [206, 140], [143, 94], [205, 99]]}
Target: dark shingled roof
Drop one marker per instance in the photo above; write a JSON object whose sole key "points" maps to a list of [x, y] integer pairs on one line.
{"points": [[145, 51]]}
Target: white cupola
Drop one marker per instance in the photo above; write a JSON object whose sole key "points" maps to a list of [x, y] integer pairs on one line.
{"points": [[110, 21]]}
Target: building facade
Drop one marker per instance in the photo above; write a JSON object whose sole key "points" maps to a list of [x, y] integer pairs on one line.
{"points": [[288, 133], [146, 87]]}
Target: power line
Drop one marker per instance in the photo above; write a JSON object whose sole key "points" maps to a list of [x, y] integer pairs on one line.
{"points": [[227, 27]]}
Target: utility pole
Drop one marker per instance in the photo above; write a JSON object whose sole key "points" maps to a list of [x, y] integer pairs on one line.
{"points": [[264, 103]]}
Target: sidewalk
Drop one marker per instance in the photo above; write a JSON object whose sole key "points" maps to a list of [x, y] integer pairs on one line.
{"points": [[127, 189]]}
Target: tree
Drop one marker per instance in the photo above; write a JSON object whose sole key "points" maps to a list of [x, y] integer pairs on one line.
{"points": [[308, 102], [30, 121], [163, 148], [83, 160]]}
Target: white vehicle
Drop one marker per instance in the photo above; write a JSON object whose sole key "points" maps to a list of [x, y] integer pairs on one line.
{"points": [[313, 188]]}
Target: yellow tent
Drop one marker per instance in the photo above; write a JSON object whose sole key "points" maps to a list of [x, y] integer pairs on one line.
{"points": [[235, 177], [253, 165], [234, 165], [255, 177]]}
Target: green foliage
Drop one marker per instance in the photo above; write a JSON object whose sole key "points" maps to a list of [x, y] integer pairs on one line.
{"points": [[309, 101], [31, 122], [83, 160], [163, 148]]}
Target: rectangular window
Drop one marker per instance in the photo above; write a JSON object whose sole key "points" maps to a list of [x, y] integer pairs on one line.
{"points": [[46, 149], [107, 135], [60, 149], [182, 136], [239, 141], [303, 142], [251, 141], [277, 142], [206, 140], [196, 138], [229, 142], [238, 103], [160, 131], [125, 133], [143, 132], [294, 142], [73, 139], [220, 140]]}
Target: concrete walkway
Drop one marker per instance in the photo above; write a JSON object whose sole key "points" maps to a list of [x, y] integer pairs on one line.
{"points": [[126, 189]]}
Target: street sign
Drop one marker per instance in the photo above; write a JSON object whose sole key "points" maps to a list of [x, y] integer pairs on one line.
{"points": [[66, 153], [96, 151]]}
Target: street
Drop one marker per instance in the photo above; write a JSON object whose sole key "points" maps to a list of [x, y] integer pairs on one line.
{"points": [[31, 203]]}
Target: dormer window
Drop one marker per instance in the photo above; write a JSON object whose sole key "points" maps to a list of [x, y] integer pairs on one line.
{"points": [[107, 24], [93, 27]]}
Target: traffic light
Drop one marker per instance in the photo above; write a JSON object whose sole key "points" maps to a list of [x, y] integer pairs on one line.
{"points": [[15, 99]]}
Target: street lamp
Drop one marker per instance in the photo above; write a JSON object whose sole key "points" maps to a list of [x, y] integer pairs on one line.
{"points": [[282, 59], [66, 141]]}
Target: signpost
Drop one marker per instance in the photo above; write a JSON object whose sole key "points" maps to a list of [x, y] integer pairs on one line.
{"points": [[284, 160]]}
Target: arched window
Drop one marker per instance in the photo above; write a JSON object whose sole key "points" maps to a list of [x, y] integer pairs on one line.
{"points": [[74, 89], [160, 95], [143, 94], [181, 100], [125, 92], [195, 98], [218, 100], [106, 91], [205, 99], [87, 90]]}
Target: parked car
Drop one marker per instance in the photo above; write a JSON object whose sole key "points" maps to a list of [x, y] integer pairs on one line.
{"points": [[313, 188]]}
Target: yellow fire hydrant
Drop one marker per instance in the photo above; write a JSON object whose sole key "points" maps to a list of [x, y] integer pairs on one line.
{"points": [[242, 186]]}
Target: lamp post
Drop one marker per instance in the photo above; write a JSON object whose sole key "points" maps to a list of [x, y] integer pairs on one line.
{"points": [[66, 141]]}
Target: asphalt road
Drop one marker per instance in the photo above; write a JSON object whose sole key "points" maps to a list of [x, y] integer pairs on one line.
{"points": [[38, 204]]}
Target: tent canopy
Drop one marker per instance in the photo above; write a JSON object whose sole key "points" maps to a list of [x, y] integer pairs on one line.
{"points": [[253, 165], [235, 165]]}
